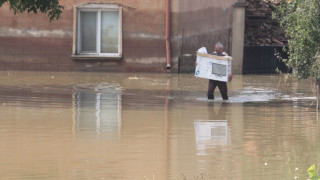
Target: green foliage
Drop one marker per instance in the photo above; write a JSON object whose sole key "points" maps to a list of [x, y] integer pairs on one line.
{"points": [[312, 172], [300, 20], [50, 7]]}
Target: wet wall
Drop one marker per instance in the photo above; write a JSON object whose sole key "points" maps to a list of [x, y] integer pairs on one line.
{"points": [[31, 42]]}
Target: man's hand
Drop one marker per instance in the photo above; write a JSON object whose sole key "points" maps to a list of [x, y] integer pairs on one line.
{"points": [[225, 54], [230, 78]]}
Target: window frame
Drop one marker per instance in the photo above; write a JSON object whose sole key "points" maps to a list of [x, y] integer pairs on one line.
{"points": [[98, 8]]}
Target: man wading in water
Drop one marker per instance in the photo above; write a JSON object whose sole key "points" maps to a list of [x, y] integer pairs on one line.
{"points": [[218, 51]]}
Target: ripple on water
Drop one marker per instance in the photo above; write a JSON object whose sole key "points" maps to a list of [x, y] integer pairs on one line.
{"points": [[259, 95]]}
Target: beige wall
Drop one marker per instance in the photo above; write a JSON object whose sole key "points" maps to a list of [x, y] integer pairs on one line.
{"points": [[238, 38], [197, 24], [201, 23]]}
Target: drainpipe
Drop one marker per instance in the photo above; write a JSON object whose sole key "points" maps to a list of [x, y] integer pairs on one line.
{"points": [[168, 34]]}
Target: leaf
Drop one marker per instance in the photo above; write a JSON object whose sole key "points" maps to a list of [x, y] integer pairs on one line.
{"points": [[300, 21], [43, 6], [312, 171]]}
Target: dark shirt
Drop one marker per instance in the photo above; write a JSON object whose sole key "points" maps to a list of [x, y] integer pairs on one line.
{"points": [[215, 53]]}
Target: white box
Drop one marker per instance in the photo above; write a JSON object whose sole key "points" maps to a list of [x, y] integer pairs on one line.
{"points": [[213, 67]]}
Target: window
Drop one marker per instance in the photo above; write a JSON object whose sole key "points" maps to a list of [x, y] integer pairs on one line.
{"points": [[98, 31]]}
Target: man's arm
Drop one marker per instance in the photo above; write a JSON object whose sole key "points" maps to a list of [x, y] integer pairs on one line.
{"points": [[230, 76]]}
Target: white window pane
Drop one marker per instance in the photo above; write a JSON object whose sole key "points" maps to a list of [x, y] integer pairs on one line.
{"points": [[88, 31], [109, 31]]}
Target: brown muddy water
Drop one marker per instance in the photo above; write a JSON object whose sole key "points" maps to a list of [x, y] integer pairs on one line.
{"points": [[155, 126]]}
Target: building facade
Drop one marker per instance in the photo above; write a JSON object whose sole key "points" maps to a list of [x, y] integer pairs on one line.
{"points": [[113, 35]]}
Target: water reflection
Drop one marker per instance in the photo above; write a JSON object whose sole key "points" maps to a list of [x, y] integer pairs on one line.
{"points": [[216, 130], [97, 110], [211, 133], [153, 126]]}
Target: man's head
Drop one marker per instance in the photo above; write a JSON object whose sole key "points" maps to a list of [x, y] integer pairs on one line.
{"points": [[219, 48]]}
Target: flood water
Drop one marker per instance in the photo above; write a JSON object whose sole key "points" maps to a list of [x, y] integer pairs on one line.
{"points": [[155, 126]]}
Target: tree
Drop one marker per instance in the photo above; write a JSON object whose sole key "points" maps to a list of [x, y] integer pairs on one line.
{"points": [[50, 7], [300, 19]]}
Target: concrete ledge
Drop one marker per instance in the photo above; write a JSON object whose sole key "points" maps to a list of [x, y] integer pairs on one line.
{"points": [[95, 57]]}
